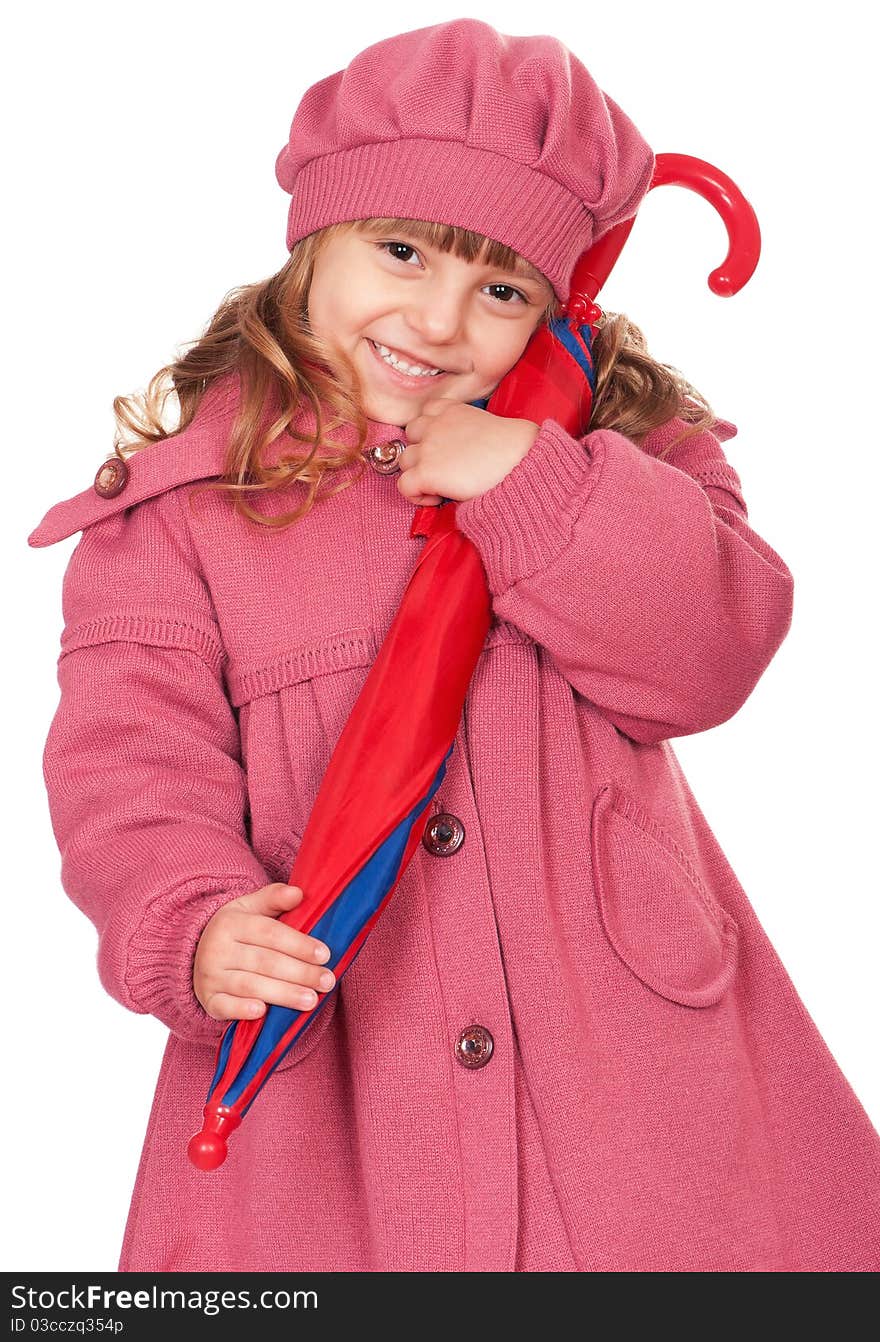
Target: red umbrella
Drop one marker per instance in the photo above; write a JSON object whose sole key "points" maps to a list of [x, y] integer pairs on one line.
{"points": [[391, 756]]}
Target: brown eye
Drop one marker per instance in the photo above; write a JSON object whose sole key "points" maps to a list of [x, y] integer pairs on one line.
{"points": [[510, 290], [404, 245], [389, 249]]}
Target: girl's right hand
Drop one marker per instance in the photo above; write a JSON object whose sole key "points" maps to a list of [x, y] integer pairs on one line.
{"points": [[246, 958]]}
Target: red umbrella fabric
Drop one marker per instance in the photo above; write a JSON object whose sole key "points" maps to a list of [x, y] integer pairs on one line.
{"points": [[392, 754]]}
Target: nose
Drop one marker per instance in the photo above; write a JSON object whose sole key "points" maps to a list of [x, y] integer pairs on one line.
{"points": [[437, 314]]}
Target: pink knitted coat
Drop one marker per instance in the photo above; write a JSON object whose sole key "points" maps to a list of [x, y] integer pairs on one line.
{"points": [[658, 1098]]}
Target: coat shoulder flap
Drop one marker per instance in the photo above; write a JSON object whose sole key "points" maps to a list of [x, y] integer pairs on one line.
{"points": [[699, 455], [196, 453]]}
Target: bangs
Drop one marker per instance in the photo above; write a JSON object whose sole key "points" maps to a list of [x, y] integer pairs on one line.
{"points": [[461, 242]]}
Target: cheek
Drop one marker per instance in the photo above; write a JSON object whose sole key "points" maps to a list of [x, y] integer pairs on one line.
{"points": [[504, 348], [333, 311], [503, 364]]}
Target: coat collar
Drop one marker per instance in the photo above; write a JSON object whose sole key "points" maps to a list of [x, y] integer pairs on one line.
{"points": [[218, 406], [196, 453]]}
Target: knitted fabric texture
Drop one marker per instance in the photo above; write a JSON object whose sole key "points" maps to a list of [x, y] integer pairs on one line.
{"points": [[658, 1098], [458, 123]]}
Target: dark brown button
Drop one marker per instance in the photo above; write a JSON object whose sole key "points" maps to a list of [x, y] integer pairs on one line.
{"points": [[111, 478], [444, 834], [384, 456], [473, 1047]]}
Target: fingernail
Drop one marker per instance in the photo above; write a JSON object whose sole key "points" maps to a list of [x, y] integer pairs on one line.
{"points": [[322, 953]]}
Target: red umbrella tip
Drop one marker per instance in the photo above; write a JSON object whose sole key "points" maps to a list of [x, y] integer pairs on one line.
{"points": [[207, 1149]]}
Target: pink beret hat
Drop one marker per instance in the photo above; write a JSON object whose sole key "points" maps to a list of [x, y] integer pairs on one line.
{"points": [[460, 124]]}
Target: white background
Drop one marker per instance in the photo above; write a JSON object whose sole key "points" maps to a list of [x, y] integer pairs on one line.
{"points": [[139, 174]]}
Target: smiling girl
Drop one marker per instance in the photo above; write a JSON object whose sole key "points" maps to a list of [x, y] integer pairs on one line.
{"points": [[567, 1044], [425, 329]]}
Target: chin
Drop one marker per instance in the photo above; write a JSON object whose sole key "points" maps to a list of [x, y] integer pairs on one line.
{"points": [[387, 412], [390, 410]]}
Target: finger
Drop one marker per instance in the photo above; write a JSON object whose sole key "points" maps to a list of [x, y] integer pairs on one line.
{"points": [[269, 932], [278, 991], [223, 1006], [271, 899], [274, 965], [415, 496]]}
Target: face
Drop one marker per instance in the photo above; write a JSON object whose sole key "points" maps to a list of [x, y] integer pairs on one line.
{"points": [[430, 309]]}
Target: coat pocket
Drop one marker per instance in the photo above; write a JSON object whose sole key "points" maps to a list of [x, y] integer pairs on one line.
{"points": [[655, 908], [313, 1032]]}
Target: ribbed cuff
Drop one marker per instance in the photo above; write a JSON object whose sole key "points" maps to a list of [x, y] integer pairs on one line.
{"points": [[159, 965], [522, 523]]}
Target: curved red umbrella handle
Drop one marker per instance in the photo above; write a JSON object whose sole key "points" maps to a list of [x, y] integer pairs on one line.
{"points": [[738, 216]]}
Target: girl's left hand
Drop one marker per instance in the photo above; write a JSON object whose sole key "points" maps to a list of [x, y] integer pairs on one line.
{"points": [[457, 451]]}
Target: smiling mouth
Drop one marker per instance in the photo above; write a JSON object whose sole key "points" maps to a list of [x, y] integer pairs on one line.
{"points": [[410, 380]]}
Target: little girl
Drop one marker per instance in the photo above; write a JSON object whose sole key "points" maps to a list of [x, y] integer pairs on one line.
{"points": [[567, 1044]]}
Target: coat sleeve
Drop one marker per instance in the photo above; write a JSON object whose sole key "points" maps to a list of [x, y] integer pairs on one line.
{"points": [[142, 763], [639, 575]]}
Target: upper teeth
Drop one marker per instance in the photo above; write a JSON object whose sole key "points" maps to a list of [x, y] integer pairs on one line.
{"points": [[413, 369]]}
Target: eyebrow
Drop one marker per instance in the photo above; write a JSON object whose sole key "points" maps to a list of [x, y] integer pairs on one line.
{"points": [[527, 271]]}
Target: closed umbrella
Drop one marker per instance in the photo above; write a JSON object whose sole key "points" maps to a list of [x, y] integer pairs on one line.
{"points": [[392, 754]]}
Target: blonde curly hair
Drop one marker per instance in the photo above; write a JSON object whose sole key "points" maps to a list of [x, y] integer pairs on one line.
{"points": [[261, 331]]}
